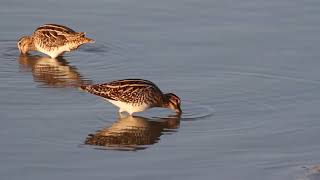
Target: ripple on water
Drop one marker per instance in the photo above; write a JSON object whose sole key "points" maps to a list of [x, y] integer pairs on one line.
{"points": [[9, 52], [8, 49], [311, 173], [8, 65], [193, 111], [248, 91]]}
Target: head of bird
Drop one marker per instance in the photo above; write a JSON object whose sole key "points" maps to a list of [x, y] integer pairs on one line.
{"points": [[173, 102], [25, 44]]}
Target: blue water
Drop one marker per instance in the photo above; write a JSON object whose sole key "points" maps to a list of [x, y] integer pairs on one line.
{"points": [[247, 73]]}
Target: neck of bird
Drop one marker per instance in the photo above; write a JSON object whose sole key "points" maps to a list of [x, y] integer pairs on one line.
{"points": [[165, 100], [31, 45]]}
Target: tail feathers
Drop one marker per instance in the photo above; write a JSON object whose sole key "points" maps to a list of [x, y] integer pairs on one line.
{"points": [[88, 40], [84, 88], [85, 39], [96, 90]]}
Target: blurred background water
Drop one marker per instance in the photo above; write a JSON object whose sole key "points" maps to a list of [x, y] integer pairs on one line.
{"points": [[247, 73]]}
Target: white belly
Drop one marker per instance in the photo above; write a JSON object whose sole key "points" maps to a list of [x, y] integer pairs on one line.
{"points": [[54, 52], [129, 107]]}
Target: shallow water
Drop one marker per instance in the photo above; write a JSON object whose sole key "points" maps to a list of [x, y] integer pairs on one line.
{"points": [[247, 73]]}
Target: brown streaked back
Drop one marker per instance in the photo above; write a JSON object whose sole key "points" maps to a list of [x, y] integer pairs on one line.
{"points": [[127, 90], [55, 27]]}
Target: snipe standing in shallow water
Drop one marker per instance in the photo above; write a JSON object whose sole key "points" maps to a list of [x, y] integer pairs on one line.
{"points": [[53, 40], [134, 95]]}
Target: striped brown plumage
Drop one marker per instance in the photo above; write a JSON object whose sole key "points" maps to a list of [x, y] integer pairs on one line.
{"points": [[134, 93], [53, 40]]}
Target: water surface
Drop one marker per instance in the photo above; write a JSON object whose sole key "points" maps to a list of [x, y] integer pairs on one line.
{"points": [[247, 73]]}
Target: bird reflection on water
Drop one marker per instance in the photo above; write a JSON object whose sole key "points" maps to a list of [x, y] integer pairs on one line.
{"points": [[133, 133], [52, 72]]}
